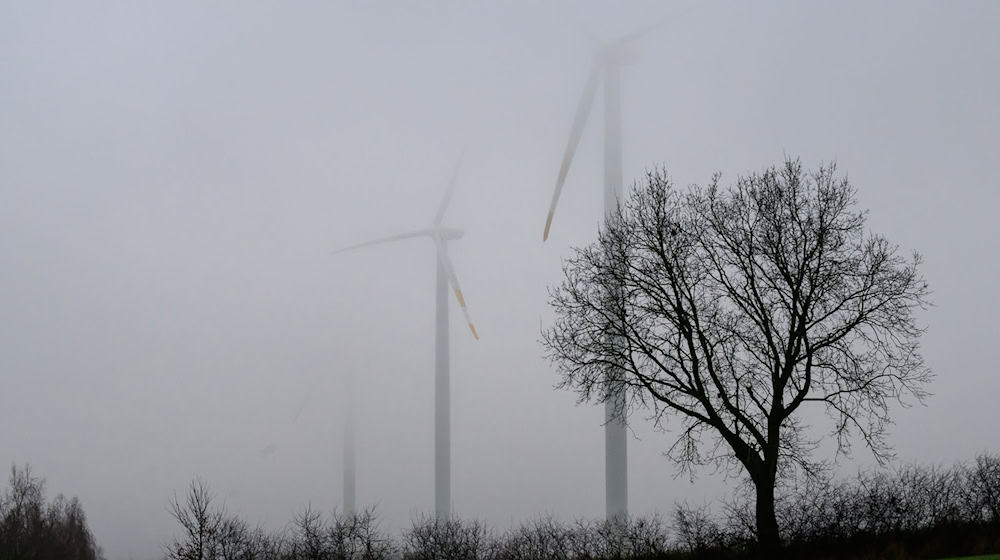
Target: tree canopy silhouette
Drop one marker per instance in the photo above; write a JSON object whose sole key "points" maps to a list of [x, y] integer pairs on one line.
{"points": [[30, 528], [727, 311]]}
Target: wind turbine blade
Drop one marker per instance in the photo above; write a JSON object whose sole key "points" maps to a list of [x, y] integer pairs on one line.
{"points": [[447, 194], [453, 278], [657, 24], [390, 239], [582, 112]]}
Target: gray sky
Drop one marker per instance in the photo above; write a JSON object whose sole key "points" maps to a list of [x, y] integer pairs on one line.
{"points": [[174, 177]]}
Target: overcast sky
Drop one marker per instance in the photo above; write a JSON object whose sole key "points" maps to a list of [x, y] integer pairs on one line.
{"points": [[174, 177]]}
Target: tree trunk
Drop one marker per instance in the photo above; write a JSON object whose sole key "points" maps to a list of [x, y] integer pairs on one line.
{"points": [[767, 523]]}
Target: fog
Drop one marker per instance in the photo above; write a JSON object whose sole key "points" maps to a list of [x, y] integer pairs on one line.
{"points": [[174, 179]]}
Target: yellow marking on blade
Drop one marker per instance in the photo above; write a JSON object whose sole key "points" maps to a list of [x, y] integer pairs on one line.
{"points": [[548, 224], [458, 294], [473, 329]]}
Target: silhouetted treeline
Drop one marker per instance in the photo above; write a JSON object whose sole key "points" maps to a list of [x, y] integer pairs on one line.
{"points": [[31, 529], [912, 512]]}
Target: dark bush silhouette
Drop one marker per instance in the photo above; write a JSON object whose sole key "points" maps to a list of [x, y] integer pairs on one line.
{"points": [[982, 490], [30, 529], [541, 539], [913, 511], [634, 537], [696, 532], [436, 538], [345, 536]]}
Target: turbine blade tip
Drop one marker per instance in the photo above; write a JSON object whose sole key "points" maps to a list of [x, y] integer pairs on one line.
{"points": [[548, 224], [473, 329]]}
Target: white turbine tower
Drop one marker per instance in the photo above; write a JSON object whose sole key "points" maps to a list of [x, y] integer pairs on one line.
{"points": [[440, 235], [607, 64], [350, 457]]}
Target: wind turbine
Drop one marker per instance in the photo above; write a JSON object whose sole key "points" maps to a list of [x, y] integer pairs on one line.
{"points": [[440, 235], [606, 66]]}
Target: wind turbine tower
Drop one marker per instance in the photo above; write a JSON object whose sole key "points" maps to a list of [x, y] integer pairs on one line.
{"points": [[350, 459], [607, 65], [446, 278]]}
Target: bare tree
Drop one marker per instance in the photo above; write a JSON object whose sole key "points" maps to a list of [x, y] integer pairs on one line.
{"points": [[202, 524], [210, 533], [730, 310], [983, 489]]}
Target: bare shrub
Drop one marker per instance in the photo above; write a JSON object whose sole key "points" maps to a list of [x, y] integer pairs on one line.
{"points": [[345, 536], [359, 536], [816, 507], [695, 530], [910, 512], [540, 539], [632, 537], [436, 538]]}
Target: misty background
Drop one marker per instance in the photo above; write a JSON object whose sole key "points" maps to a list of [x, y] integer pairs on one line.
{"points": [[175, 176]]}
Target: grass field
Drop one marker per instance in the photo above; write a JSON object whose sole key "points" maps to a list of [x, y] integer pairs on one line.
{"points": [[986, 557]]}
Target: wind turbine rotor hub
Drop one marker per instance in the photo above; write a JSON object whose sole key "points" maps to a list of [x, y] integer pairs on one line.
{"points": [[448, 234], [617, 54]]}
